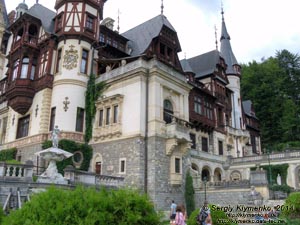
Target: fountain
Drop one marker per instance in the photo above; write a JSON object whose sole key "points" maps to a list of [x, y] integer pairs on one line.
{"points": [[53, 155]]}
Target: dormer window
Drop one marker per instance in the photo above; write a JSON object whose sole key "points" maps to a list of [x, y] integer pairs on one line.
{"points": [[59, 23]]}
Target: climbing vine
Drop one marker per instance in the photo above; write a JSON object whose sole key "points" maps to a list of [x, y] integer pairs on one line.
{"points": [[93, 92], [8, 154]]}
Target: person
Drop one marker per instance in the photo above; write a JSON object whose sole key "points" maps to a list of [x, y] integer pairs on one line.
{"points": [[184, 213], [173, 210], [204, 213], [208, 221], [54, 136], [179, 219]]}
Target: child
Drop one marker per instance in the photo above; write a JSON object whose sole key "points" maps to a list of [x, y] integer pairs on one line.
{"points": [[208, 221]]}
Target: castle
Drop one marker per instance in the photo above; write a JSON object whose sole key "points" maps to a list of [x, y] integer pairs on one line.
{"points": [[159, 116]]}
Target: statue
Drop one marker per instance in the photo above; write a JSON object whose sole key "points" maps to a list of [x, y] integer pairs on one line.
{"points": [[54, 136], [278, 179]]}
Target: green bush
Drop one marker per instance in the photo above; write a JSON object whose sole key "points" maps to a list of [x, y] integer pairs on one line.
{"points": [[86, 206], [215, 215], [284, 188], [8, 154], [1, 214], [291, 207]]}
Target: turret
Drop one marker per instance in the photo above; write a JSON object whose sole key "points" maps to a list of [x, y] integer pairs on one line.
{"points": [[233, 75]]}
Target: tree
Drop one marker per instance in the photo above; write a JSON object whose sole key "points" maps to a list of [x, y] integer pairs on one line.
{"points": [[273, 87], [189, 194], [85, 206], [93, 92]]}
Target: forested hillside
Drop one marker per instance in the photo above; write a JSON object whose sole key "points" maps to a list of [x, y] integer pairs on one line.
{"points": [[273, 85]]}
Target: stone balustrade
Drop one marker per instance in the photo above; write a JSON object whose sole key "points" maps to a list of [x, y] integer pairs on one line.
{"points": [[16, 171], [265, 158], [83, 177]]}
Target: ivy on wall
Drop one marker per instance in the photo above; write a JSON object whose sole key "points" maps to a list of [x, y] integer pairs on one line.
{"points": [[72, 146], [8, 154], [281, 169], [93, 92]]}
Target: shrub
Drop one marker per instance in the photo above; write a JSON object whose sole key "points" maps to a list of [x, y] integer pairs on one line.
{"points": [[1, 215], [291, 207], [8, 154], [189, 194], [85, 206]]}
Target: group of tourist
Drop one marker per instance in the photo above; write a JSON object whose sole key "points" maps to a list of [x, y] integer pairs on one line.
{"points": [[178, 215]]}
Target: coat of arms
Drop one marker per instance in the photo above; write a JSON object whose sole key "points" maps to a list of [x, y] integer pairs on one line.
{"points": [[70, 58]]}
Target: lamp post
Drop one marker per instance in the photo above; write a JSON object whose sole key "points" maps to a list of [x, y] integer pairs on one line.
{"points": [[205, 181], [270, 169]]}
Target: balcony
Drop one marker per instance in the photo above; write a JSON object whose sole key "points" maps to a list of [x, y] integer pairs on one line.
{"points": [[178, 129], [237, 132]]}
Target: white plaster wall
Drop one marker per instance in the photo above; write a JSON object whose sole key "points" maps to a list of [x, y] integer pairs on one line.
{"points": [[132, 118], [66, 120], [35, 119]]}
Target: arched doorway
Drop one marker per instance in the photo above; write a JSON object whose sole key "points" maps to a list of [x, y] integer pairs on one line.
{"points": [[218, 174], [205, 174]]}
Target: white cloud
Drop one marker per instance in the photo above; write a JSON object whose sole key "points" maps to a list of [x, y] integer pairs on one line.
{"points": [[257, 27]]}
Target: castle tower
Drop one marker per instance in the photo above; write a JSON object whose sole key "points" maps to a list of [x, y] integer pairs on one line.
{"points": [[77, 31], [233, 73]]}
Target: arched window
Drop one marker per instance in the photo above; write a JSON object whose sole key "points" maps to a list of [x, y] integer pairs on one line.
{"points": [[205, 174], [168, 111], [25, 66]]}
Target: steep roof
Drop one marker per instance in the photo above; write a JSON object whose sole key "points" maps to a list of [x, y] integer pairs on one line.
{"points": [[247, 106], [4, 14], [44, 14], [226, 49], [141, 36], [203, 64]]}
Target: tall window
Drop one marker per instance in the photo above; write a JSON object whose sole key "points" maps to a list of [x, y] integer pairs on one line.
{"points": [[23, 127], [33, 66], [168, 111], [84, 61], [3, 134], [197, 105], [204, 144], [89, 22], [101, 118], [25, 65], [122, 166], [193, 139], [15, 70], [220, 143], [107, 116], [58, 60], [177, 165], [59, 23], [79, 119], [52, 118], [116, 112]]}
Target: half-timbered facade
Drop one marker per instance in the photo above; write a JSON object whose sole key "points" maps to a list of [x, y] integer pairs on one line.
{"points": [[159, 116]]}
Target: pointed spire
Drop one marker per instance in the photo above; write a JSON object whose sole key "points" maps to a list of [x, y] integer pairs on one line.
{"points": [[118, 27], [225, 49], [216, 37], [162, 7]]}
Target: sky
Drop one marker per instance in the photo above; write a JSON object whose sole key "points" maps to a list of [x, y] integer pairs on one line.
{"points": [[258, 28]]}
